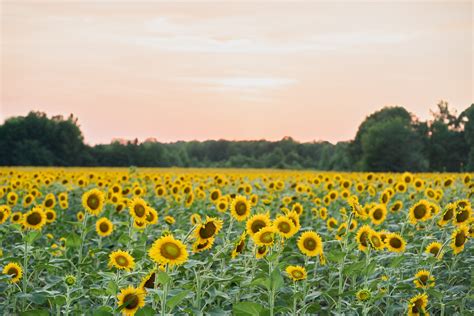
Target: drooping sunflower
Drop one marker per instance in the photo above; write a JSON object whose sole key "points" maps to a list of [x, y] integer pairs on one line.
{"points": [[240, 208], [331, 223], [463, 216], [93, 201], [341, 231], [295, 219], [208, 229], [378, 214], [195, 219], [131, 299], [261, 252], [152, 216], [139, 224], [257, 222], [14, 270], [395, 242], [419, 212], [363, 295], [50, 215], [168, 250], [459, 238], [298, 208], [265, 236], [104, 227], [397, 206], [170, 219], [148, 281], [34, 219], [240, 245], [122, 260], [310, 244], [417, 305], [138, 209], [285, 226], [448, 214], [362, 237], [3, 215], [434, 249], [423, 279], [202, 244], [296, 273], [323, 213]]}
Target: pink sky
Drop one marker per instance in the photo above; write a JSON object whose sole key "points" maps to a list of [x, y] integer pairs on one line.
{"points": [[201, 70]]}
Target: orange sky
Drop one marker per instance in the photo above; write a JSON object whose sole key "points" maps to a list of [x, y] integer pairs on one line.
{"points": [[201, 70]]}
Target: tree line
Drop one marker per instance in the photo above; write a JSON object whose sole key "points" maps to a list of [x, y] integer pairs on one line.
{"points": [[391, 139]]}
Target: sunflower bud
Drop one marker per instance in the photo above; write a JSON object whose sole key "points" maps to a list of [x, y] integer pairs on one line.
{"points": [[70, 280]]}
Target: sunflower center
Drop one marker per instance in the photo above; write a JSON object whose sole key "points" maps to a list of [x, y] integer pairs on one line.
{"points": [[240, 208], [170, 251], [424, 279], [378, 214], [363, 239], [310, 244], [139, 210], [297, 274], [462, 216], [284, 227], [49, 215], [419, 211], [93, 202], [460, 239], [240, 246], [13, 272], [208, 230], [395, 242], [448, 215], [214, 196], [434, 251], [130, 301], [257, 225], [150, 283], [375, 241], [267, 237], [122, 261], [48, 203], [103, 227], [261, 250], [34, 218]]}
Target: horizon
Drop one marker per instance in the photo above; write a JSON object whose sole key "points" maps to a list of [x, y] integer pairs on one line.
{"points": [[233, 71]]}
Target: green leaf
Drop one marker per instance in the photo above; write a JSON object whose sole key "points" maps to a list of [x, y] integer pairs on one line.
{"points": [[32, 236], [175, 300], [102, 311], [336, 255], [354, 269], [247, 309], [73, 241], [145, 311], [397, 261], [35, 312], [276, 280], [163, 277]]}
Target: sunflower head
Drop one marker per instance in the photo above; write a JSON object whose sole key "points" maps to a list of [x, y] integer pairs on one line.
{"points": [[363, 295], [104, 227], [459, 238], [239, 245], [121, 260], [265, 236], [296, 273], [201, 245], [168, 250], [148, 281], [363, 237], [434, 249], [420, 212], [395, 242], [256, 223], [310, 244], [138, 209], [34, 219], [131, 299], [378, 213], [14, 271], [424, 279], [93, 201], [285, 226], [417, 304], [240, 208], [208, 229]]}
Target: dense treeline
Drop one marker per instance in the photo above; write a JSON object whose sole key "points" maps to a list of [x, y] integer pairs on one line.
{"points": [[391, 139]]}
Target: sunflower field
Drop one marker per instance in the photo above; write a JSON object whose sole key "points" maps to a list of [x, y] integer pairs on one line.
{"points": [[106, 241]]}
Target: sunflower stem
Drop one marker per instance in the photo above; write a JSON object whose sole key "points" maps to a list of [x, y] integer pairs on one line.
{"points": [[25, 272], [165, 295], [83, 236], [294, 298]]}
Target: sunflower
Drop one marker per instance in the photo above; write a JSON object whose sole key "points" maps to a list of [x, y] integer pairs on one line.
{"points": [[376, 241], [240, 208], [285, 226], [296, 273], [34, 219], [295, 219], [397, 206], [131, 299], [202, 244], [463, 216], [331, 223], [240, 245], [80, 216], [424, 280], [104, 227], [420, 212], [459, 238], [28, 200], [49, 201], [93, 201], [222, 205], [265, 236], [3, 215], [417, 305], [50, 215], [122, 260], [362, 237], [341, 231], [195, 219], [298, 208], [395, 242], [170, 219], [257, 222], [138, 209], [139, 224], [323, 213], [378, 214], [448, 214], [208, 229], [363, 295], [434, 249], [152, 216], [261, 252], [167, 250], [310, 244], [148, 281], [215, 195], [14, 270]]}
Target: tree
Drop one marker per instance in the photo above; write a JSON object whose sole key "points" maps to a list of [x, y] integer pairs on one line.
{"points": [[467, 119]]}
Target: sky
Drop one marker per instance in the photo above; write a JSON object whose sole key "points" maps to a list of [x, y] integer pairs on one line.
{"points": [[232, 70]]}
